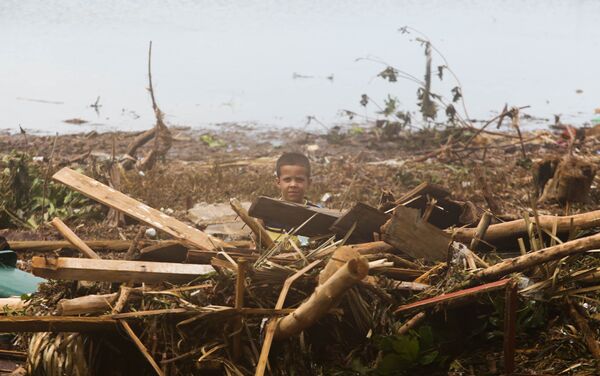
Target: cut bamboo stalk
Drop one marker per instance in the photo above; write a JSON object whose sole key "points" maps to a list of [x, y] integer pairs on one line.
{"points": [[482, 227], [79, 269], [86, 304], [518, 228], [73, 238], [323, 299], [262, 236], [531, 259], [133, 208]]}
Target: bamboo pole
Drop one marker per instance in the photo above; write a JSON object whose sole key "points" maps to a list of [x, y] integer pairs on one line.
{"points": [[321, 301], [531, 259], [518, 228]]}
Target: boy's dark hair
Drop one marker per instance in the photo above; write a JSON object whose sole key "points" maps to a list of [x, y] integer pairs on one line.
{"points": [[292, 159]]}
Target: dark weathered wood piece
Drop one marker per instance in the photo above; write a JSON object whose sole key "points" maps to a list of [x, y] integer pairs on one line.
{"points": [[22, 324], [167, 251], [368, 221], [407, 232], [290, 215]]}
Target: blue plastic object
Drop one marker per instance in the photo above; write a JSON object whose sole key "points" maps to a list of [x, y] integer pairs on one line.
{"points": [[15, 282]]}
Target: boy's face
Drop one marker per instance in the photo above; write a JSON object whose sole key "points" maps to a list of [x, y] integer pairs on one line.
{"points": [[293, 182]]}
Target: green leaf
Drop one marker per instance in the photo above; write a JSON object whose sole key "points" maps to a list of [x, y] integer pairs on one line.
{"points": [[407, 347], [428, 358]]}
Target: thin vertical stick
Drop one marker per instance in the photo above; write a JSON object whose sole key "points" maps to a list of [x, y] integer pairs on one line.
{"points": [[510, 327]]}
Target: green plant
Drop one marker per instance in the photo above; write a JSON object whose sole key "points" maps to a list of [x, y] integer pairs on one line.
{"points": [[402, 354]]}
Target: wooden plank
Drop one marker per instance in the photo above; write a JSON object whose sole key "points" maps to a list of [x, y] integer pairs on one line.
{"points": [[52, 245], [454, 296], [169, 251], [368, 221], [407, 232], [73, 238], [288, 215], [22, 324], [133, 208], [116, 270]]}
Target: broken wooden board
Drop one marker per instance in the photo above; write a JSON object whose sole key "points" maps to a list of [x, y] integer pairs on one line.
{"points": [[368, 221], [21, 324], [446, 212], [167, 251], [133, 208], [454, 297], [289, 215], [52, 245], [407, 232], [79, 269]]}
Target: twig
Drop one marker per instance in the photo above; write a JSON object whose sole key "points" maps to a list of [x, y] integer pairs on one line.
{"points": [[141, 347]]}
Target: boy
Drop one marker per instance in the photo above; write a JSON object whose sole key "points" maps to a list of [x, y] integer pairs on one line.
{"points": [[293, 177], [293, 180]]}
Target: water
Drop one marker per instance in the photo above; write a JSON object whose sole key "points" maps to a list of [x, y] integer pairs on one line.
{"points": [[224, 61]]}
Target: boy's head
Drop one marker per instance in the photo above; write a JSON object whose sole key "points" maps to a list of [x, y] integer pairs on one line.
{"points": [[293, 176]]}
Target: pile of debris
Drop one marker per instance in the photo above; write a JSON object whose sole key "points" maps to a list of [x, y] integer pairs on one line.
{"points": [[400, 289]]}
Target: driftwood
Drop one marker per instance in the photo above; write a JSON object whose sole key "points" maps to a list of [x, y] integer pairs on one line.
{"points": [[518, 228], [529, 260], [116, 270], [142, 212], [324, 297], [261, 235], [86, 304], [407, 232]]}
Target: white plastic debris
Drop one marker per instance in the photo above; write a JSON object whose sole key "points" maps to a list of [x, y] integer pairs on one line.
{"points": [[151, 232]]}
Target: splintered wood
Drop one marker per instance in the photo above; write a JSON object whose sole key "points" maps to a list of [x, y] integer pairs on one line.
{"points": [[133, 208]]}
